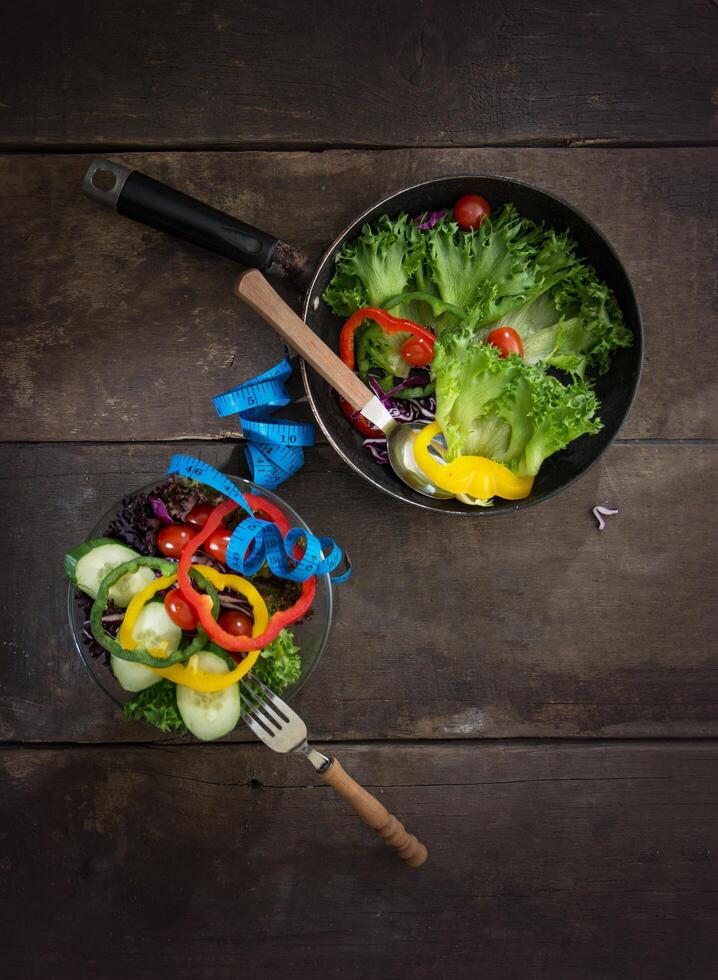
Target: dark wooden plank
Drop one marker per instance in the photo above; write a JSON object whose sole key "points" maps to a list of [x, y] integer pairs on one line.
{"points": [[585, 862], [105, 321], [533, 624], [359, 73]]}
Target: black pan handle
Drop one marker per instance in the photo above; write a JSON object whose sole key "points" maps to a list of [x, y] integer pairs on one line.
{"points": [[150, 202]]}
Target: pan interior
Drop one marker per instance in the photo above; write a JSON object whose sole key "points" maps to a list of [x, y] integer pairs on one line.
{"points": [[615, 389]]}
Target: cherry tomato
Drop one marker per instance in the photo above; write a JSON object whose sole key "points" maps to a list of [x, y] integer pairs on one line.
{"points": [[216, 544], [172, 538], [235, 622], [366, 428], [470, 210], [180, 611], [197, 517], [507, 341], [417, 352]]}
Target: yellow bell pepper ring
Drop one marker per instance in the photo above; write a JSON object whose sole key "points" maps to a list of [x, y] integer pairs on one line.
{"points": [[137, 604], [226, 580], [189, 674], [477, 476]]}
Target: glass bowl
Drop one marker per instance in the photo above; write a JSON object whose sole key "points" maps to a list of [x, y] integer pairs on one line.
{"points": [[311, 635]]}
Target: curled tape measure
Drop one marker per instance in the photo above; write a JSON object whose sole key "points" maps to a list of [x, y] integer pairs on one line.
{"points": [[254, 541], [274, 446]]}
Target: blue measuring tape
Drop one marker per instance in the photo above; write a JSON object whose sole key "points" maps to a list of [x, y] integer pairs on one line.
{"points": [[254, 541], [274, 446]]}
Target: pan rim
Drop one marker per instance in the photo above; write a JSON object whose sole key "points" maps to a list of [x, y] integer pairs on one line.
{"points": [[418, 501]]}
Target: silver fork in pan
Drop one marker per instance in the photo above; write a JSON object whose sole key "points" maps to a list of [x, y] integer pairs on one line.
{"points": [[281, 728]]}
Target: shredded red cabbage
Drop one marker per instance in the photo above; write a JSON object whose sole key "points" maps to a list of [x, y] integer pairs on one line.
{"points": [[403, 410], [427, 220]]}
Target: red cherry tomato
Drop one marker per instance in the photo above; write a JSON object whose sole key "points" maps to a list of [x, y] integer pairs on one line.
{"points": [[180, 611], [507, 341], [197, 517], [417, 352], [235, 622], [216, 544], [359, 422], [172, 538], [470, 210]]}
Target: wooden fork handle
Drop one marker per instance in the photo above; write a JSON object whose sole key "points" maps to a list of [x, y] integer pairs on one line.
{"points": [[375, 815], [256, 292]]}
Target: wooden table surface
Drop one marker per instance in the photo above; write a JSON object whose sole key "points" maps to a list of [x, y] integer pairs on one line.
{"points": [[538, 701]]}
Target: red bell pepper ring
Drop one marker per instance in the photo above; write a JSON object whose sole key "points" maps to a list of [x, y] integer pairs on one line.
{"points": [[229, 642], [387, 322]]}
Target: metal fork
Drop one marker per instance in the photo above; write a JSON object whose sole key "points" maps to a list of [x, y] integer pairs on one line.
{"points": [[281, 728]]}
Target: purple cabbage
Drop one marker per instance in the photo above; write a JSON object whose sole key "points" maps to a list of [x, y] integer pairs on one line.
{"points": [[426, 221], [160, 509], [403, 410]]}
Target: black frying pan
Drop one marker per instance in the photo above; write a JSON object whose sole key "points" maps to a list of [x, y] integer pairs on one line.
{"points": [[150, 202]]}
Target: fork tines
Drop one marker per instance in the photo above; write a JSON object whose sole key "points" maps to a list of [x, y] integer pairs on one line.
{"points": [[263, 708]]}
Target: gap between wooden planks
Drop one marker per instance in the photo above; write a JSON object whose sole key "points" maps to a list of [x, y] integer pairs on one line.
{"points": [[116, 332], [573, 860], [533, 624]]}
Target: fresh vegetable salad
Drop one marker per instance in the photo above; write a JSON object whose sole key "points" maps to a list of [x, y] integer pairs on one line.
{"points": [[177, 627], [489, 327]]}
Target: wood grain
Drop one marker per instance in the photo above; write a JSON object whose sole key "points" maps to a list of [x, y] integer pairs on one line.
{"points": [[361, 72], [583, 861], [533, 624], [253, 289], [106, 321]]}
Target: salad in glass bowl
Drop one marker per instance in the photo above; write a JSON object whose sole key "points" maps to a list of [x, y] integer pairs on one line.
{"points": [[168, 629]]}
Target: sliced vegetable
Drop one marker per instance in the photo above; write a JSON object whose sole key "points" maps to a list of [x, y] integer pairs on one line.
{"points": [[88, 564], [154, 630], [202, 606], [209, 714], [390, 325], [473, 476], [139, 654], [133, 677]]}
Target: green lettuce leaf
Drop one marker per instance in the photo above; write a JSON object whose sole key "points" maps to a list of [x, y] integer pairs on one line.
{"points": [[279, 664], [504, 408], [575, 325], [377, 265], [157, 705]]}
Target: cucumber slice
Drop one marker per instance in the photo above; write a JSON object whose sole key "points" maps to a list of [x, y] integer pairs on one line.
{"points": [[88, 565], [131, 676], [209, 715], [155, 632], [129, 585]]}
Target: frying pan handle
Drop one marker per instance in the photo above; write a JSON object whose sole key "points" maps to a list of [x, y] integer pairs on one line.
{"points": [[150, 202], [255, 291]]}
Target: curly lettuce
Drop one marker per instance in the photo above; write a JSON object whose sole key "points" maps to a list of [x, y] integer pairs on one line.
{"points": [[504, 408], [509, 271], [279, 665], [377, 266]]}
